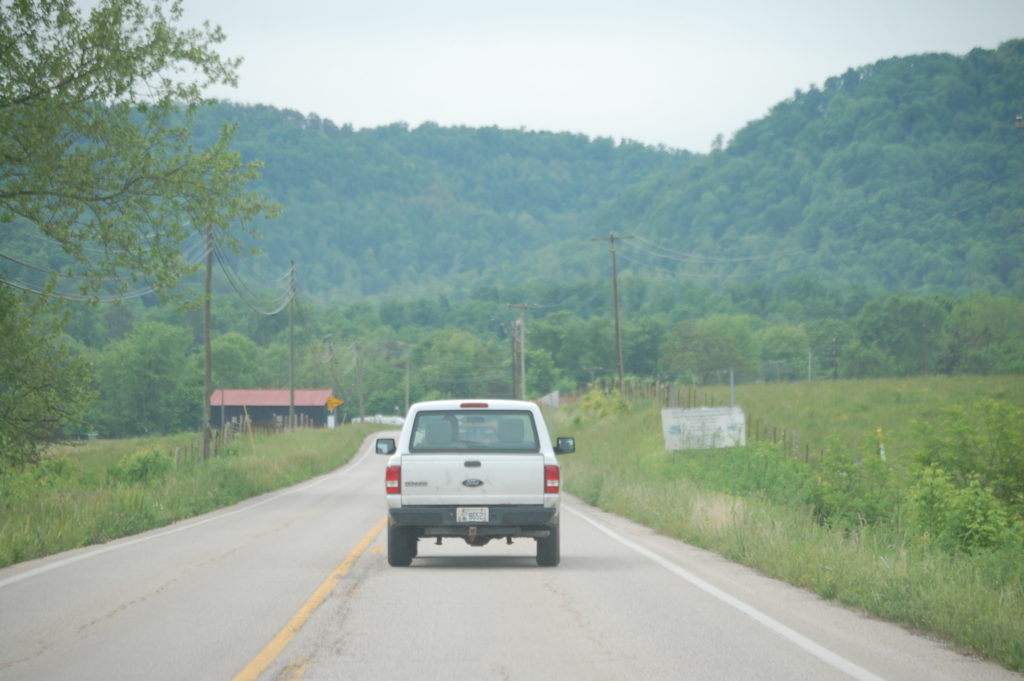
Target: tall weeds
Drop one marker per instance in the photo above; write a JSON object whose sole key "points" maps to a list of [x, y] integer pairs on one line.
{"points": [[842, 527], [104, 490]]}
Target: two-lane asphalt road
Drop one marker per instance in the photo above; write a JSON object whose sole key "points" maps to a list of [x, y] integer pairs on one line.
{"points": [[295, 585]]}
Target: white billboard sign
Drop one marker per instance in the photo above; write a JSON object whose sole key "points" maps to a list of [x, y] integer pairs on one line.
{"points": [[704, 428]]}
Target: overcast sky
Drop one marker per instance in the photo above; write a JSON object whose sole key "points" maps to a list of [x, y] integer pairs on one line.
{"points": [[674, 73]]}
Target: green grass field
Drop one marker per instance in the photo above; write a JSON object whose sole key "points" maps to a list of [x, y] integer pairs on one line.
{"points": [[850, 412], [93, 492], [838, 524]]}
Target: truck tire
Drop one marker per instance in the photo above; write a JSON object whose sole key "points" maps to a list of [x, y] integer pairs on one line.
{"points": [[401, 546], [548, 551]]}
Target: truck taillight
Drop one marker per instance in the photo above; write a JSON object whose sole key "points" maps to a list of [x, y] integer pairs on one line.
{"points": [[393, 480], [552, 480]]}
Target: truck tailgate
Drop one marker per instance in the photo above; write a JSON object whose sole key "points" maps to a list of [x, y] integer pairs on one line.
{"points": [[472, 479]]}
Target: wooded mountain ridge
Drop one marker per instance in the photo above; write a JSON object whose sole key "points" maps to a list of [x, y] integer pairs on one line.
{"points": [[798, 250], [903, 175]]}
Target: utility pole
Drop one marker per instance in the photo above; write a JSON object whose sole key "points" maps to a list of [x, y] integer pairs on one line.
{"points": [[335, 385], [519, 367], [407, 371], [207, 347], [835, 358], [514, 338], [406, 365], [359, 383], [611, 238], [291, 349]]}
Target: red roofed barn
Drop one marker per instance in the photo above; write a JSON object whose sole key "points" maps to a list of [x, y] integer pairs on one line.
{"points": [[268, 408]]}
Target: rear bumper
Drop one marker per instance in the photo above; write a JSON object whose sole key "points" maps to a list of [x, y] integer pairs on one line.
{"points": [[511, 521]]}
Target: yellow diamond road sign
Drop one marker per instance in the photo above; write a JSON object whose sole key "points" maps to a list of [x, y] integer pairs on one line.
{"points": [[334, 402]]}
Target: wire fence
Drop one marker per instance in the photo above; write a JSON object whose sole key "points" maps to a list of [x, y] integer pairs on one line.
{"points": [[672, 396]]}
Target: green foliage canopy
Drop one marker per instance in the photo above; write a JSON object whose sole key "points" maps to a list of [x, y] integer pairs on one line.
{"points": [[148, 383], [906, 174], [43, 381], [96, 141], [97, 156]]}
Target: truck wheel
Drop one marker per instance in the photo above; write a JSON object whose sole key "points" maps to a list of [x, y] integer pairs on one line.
{"points": [[401, 546], [548, 552]]}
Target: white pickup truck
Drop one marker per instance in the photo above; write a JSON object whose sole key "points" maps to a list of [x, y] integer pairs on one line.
{"points": [[474, 469]]}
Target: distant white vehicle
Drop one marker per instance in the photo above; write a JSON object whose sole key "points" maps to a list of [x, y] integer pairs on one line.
{"points": [[473, 469], [380, 418]]}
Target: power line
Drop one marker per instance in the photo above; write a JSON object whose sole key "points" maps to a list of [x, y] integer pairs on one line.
{"points": [[247, 296], [56, 273], [76, 298], [682, 256], [469, 378], [712, 276], [191, 258], [192, 254]]}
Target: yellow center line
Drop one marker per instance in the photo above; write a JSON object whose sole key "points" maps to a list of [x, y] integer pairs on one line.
{"points": [[270, 652]]}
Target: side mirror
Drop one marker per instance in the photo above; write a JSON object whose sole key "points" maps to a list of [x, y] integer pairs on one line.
{"points": [[565, 445], [386, 445]]}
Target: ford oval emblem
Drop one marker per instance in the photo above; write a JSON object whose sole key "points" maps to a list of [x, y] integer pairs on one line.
{"points": [[472, 482]]}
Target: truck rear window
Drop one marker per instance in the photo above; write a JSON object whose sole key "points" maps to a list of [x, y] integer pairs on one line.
{"points": [[474, 431]]}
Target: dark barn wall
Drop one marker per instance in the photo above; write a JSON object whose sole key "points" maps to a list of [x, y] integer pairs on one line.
{"points": [[268, 416]]}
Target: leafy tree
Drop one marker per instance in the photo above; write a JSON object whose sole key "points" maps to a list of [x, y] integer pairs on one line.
{"points": [[826, 338], [276, 359], [98, 154], [96, 140], [704, 351], [641, 339], [43, 381], [908, 330], [865, 361], [680, 353], [984, 334], [147, 382], [452, 363], [783, 352], [542, 376], [237, 362], [581, 349]]}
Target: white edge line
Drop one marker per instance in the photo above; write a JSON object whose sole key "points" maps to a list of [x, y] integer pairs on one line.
{"points": [[213, 516], [819, 651]]}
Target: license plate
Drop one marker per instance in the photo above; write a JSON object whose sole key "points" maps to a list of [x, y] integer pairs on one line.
{"points": [[472, 514]]}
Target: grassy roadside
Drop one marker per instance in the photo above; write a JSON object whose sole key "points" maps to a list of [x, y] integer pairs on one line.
{"points": [[755, 506], [850, 412], [94, 492]]}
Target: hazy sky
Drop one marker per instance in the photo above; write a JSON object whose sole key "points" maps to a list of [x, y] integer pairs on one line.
{"points": [[676, 73]]}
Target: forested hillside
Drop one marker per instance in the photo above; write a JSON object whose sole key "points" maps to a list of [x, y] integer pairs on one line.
{"points": [[907, 174], [396, 210], [904, 175], [870, 227]]}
